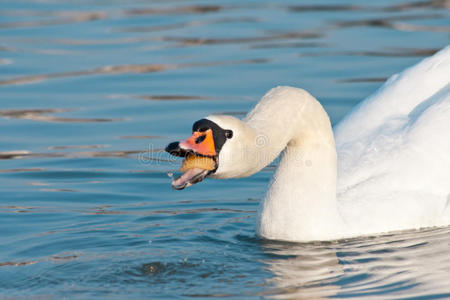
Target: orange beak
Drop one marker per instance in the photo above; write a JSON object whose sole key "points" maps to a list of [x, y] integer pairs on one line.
{"points": [[201, 143]]}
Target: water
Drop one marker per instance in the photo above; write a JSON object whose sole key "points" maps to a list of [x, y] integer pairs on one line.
{"points": [[91, 91]]}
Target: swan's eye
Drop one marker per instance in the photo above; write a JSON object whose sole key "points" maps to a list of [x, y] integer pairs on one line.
{"points": [[228, 133], [203, 129]]}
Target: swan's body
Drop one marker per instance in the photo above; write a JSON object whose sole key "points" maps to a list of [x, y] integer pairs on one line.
{"points": [[391, 170]]}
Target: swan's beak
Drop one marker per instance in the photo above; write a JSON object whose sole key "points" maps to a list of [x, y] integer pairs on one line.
{"points": [[199, 144]]}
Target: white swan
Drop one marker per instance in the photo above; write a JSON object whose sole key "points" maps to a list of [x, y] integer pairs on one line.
{"points": [[393, 154]]}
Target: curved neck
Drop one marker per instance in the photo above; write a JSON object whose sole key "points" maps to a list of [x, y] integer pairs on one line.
{"points": [[301, 202]]}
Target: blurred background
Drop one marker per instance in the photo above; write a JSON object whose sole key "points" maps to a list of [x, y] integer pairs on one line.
{"points": [[91, 91]]}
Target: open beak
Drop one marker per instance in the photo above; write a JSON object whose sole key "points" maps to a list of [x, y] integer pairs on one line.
{"points": [[200, 144]]}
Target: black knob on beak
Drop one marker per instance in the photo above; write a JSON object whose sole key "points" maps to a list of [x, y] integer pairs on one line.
{"points": [[175, 150]]}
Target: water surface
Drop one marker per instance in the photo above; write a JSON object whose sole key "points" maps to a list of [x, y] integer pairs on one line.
{"points": [[91, 91]]}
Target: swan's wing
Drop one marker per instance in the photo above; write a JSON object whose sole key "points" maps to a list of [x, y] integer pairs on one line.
{"points": [[397, 97], [409, 152], [394, 148], [409, 104]]}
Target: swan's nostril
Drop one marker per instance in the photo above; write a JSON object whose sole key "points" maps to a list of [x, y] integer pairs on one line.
{"points": [[200, 139]]}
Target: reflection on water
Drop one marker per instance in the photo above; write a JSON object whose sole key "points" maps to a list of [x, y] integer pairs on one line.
{"points": [[368, 267], [303, 271], [91, 92]]}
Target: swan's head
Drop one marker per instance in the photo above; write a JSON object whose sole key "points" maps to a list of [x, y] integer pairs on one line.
{"points": [[218, 145]]}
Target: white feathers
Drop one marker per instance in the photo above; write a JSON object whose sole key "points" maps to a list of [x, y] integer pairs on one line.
{"points": [[394, 152]]}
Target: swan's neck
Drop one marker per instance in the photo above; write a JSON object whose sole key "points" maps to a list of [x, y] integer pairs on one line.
{"points": [[301, 202]]}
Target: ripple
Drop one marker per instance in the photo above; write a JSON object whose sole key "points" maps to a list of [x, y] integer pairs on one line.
{"points": [[65, 17], [59, 190], [91, 42], [18, 209], [14, 155], [50, 52], [196, 23], [171, 97], [120, 69], [362, 80], [324, 8], [435, 4], [77, 147], [144, 68], [17, 264], [287, 45], [154, 268], [63, 257], [42, 115], [392, 52], [195, 41], [190, 9], [425, 28], [81, 154], [389, 22], [401, 52], [337, 8], [140, 137]]}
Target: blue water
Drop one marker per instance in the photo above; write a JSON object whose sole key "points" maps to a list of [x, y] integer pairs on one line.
{"points": [[91, 91]]}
